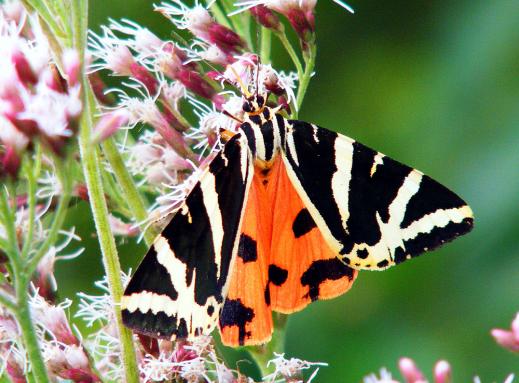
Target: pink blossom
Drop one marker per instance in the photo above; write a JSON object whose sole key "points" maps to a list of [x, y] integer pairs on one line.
{"points": [[508, 339]]}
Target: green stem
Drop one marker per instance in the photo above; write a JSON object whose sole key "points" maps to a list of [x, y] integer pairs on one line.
{"points": [[30, 340], [266, 44], [219, 15], [91, 169], [32, 172], [291, 52], [125, 180], [305, 79], [59, 215], [90, 161], [11, 249], [262, 354]]}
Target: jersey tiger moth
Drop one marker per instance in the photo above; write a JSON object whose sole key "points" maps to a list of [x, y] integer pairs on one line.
{"points": [[285, 214]]}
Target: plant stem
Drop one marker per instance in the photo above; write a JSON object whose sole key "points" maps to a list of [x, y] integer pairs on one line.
{"points": [[266, 44], [30, 340], [125, 180], [262, 354], [291, 52], [90, 161], [305, 79], [32, 172], [9, 219], [92, 173]]}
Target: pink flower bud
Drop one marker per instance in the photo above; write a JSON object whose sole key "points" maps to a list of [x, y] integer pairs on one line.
{"points": [[143, 75], [196, 83], [224, 38], [78, 375], [81, 191], [150, 345], [52, 78], [15, 371], [442, 372], [120, 61], [23, 68], [410, 371], [506, 339], [99, 87], [72, 66], [109, 124], [266, 17], [303, 23], [122, 228], [10, 162]]}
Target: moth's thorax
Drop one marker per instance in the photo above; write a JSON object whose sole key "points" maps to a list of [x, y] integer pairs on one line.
{"points": [[264, 130]]}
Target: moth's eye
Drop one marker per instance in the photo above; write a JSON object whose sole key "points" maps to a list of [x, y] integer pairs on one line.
{"points": [[260, 100], [247, 107]]}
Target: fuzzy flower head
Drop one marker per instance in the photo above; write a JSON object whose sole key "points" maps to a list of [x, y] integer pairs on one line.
{"points": [[38, 101], [290, 369], [299, 13], [201, 24]]}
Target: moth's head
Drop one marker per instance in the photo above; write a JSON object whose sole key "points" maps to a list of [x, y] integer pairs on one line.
{"points": [[255, 103]]}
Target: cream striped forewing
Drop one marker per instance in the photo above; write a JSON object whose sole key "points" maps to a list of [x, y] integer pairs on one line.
{"points": [[178, 289], [372, 210]]}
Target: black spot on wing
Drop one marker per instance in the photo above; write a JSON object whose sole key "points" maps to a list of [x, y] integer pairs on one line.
{"points": [[235, 313], [321, 271], [383, 263], [151, 276], [362, 253], [277, 275], [247, 248], [157, 325], [436, 237], [210, 310], [303, 223], [430, 197]]}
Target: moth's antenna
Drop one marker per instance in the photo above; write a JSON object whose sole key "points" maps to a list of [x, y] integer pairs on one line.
{"points": [[244, 89], [232, 116], [258, 66]]}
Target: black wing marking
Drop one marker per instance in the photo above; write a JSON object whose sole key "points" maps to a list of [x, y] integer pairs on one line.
{"points": [[179, 287], [374, 211]]}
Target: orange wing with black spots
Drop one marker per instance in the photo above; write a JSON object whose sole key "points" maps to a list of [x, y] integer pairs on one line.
{"points": [[246, 317], [283, 263], [302, 266]]}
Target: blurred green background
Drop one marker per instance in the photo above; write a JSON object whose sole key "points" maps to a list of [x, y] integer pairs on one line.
{"points": [[434, 84]]}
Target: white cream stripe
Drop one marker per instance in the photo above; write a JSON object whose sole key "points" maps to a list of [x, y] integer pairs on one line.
{"points": [[214, 212], [437, 219], [340, 182]]}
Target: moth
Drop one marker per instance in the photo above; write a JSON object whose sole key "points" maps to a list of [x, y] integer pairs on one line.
{"points": [[285, 214]]}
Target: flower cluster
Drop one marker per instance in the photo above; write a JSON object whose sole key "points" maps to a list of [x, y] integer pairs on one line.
{"points": [[167, 80], [37, 101], [412, 374]]}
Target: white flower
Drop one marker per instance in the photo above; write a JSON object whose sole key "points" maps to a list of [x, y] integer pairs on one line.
{"points": [[143, 41], [194, 19], [385, 377], [290, 368], [111, 52]]}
